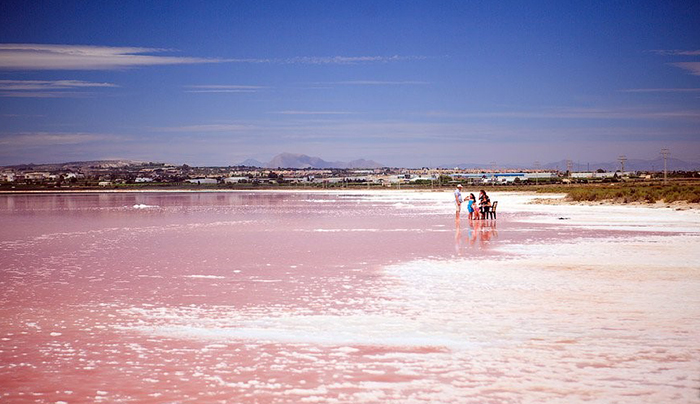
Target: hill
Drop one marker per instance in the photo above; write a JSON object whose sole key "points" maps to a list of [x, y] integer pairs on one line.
{"points": [[291, 160]]}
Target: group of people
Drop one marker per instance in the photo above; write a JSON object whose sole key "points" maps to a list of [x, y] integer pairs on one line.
{"points": [[476, 211]]}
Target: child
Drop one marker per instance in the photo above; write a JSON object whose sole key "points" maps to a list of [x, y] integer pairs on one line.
{"points": [[470, 207]]}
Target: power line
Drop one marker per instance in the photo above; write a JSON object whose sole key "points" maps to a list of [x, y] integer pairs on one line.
{"points": [[622, 160], [665, 153]]}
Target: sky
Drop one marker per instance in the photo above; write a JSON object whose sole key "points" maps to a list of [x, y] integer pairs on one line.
{"points": [[404, 83]]}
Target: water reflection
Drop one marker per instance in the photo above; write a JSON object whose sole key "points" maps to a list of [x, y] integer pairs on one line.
{"points": [[477, 234], [79, 201]]}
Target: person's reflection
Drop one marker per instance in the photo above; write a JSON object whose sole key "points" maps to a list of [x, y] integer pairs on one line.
{"points": [[474, 230], [479, 233], [488, 231], [458, 236], [494, 232]]}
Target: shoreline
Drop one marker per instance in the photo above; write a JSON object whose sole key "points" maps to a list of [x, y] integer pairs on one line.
{"points": [[224, 190], [552, 199], [676, 205]]}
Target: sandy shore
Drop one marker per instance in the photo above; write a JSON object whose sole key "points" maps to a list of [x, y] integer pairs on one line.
{"points": [[562, 200]]}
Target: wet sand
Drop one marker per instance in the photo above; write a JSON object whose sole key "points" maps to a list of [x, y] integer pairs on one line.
{"points": [[344, 297]]}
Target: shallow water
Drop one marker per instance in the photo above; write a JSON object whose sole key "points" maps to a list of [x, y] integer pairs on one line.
{"points": [[376, 297]]}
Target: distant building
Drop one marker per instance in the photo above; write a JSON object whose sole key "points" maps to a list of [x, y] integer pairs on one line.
{"points": [[36, 176], [7, 176], [235, 180], [492, 177], [423, 177], [203, 181], [143, 179], [601, 175], [542, 175]]}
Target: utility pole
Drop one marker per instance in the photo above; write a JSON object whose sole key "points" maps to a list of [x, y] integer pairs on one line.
{"points": [[569, 166], [622, 160], [665, 153], [537, 170]]}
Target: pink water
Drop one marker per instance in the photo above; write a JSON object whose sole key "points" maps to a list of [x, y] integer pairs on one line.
{"points": [[331, 297]]}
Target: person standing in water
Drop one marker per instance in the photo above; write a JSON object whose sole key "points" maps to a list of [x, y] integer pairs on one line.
{"points": [[484, 204], [470, 207], [458, 200]]}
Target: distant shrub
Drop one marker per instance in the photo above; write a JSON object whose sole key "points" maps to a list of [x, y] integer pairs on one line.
{"points": [[629, 192]]}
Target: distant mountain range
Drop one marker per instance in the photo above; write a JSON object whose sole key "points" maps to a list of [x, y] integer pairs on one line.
{"points": [[252, 163], [75, 165], [672, 164], [291, 160]]}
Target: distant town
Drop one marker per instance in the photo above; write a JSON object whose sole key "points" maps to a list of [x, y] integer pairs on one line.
{"points": [[117, 174]]}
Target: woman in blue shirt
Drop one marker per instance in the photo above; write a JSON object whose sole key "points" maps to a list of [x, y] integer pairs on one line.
{"points": [[470, 207]]}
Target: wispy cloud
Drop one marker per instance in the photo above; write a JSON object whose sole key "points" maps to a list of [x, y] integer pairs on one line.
{"points": [[89, 57], [205, 128], [312, 112], [381, 83], [48, 88], [348, 60], [26, 139], [676, 52], [22, 116], [576, 113], [44, 94], [11, 85], [84, 57], [661, 90], [692, 67], [219, 91], [223, 88]]}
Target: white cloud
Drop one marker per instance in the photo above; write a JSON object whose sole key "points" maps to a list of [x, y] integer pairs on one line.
{"points": [[84, 57], [692, 67], [44, 94], [88, 57], [223, 88], [381, 83], [676, 52], [219, 91], [22, 116], [12, 85], [349, 60], [226, 87], [576, 113], [312, 112], [47, 88], [661, 90], [205, 128], [52, 139]]}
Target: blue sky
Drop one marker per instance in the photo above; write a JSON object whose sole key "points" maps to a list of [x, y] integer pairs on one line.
{"points": [[405, 83]]}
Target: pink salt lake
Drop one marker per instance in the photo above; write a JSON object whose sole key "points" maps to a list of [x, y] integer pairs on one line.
{"points": [[355, 297]]}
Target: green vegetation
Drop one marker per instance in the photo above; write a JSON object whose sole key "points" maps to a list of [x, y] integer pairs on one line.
{"points": [[625, 193]]}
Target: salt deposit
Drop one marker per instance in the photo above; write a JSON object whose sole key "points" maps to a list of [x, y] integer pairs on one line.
{"points": [[345, 297]]}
